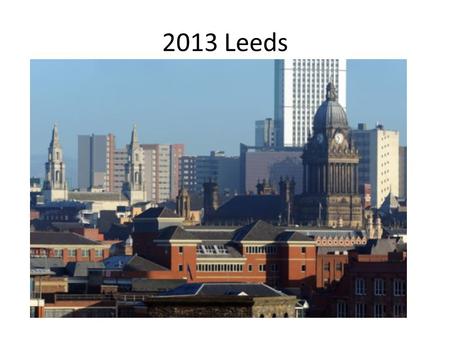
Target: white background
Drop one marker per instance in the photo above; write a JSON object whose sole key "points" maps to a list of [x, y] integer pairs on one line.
{"points": [[134, 29]]}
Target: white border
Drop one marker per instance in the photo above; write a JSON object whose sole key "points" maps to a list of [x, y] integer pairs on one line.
{"points": [[315, 29]]}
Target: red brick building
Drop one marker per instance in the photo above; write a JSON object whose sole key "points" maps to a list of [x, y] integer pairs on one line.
{"points": [[258, 252], [373, 285], [68, 246]]}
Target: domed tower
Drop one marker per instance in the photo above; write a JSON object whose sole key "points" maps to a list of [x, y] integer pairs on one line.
{"points": [[330, 170]]}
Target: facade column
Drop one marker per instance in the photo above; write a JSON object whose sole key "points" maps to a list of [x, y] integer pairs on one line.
{"points": [[339, 181], [347, 189], [334, 178], [305, 168]]}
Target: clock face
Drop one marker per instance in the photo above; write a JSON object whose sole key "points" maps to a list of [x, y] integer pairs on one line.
{"points": [[339, 138], [319, 138]]}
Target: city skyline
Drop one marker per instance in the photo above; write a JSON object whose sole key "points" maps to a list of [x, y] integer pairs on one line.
{"points": [[380, 82]]}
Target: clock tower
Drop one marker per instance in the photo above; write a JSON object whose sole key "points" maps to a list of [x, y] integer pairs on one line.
{"points": [[330, 170]]}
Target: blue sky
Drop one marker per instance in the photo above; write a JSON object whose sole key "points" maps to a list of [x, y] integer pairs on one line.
{"points": [[205, 104]]}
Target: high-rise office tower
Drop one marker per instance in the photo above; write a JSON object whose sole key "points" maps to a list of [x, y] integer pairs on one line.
{"points": [[221, 169], [162, 169], [120, 159], [176, 153], [264, 133], [299, 90], [96, 162], [402, 156], [379, 160], [188, 173]]}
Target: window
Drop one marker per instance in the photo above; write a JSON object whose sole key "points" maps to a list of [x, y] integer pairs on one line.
{"points": [[378, 310], [399, 310], [72, 252], [58, 252], [303, 250], [303, 267], [326, 283], [399, 287], [360, 310], [339, 267], [98, 253], [85, 252], [360, 286], [379, 287], [341, 309], [250, 268], [180, 267], [180, 249], [326, 267], [262, 267]]}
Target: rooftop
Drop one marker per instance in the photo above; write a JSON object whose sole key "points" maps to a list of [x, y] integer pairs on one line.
{"points": [[224, 289], [161, 212], [59, 238]]}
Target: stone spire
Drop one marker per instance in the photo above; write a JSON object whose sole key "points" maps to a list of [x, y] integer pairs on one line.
{"points": [[134, 139], [55, 185], [134, 185], [55, 138]]}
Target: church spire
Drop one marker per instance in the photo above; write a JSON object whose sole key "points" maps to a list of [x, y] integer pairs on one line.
{"points": [[134, 139], [55, 138]]}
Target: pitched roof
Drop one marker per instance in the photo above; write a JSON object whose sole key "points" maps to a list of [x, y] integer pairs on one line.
{"points": [[161, 212], [266, 207], [258, 231], [286, 236], [50, 238], [212, 235], [137, 263], [116, 262], [81, 269], [175, 232], [224, 289], [155, 285]]}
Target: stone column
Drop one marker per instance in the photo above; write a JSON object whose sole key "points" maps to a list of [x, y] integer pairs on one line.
{"points": [[305, 188]]}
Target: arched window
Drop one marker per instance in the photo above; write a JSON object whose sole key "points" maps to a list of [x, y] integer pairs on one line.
{"points": [[286, 315], [57, 156], [137, 157], [136, 177], [274, 315], [57, 174], [261, 316]]}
